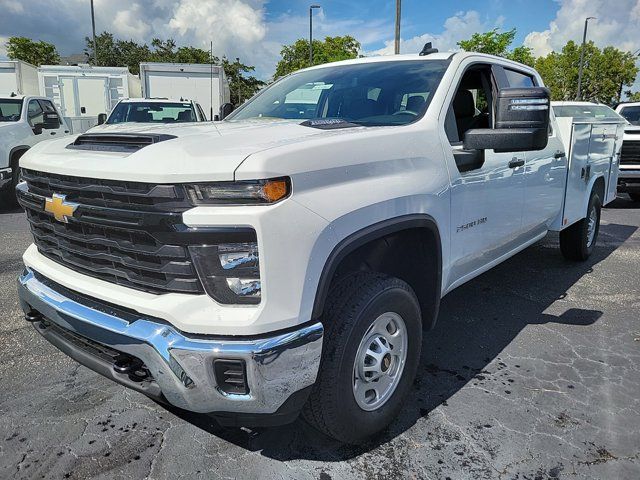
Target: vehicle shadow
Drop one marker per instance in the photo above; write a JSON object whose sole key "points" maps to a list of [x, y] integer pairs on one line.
{"points": [[477, 321], [4, 208], [623, 201]]}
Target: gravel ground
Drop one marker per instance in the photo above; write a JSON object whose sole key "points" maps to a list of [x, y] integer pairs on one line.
{"points": [[532, 373]]}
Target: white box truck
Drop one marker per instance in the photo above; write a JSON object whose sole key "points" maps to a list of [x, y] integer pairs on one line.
{"points": [[18, 77], [206, 84], [82, 92]]}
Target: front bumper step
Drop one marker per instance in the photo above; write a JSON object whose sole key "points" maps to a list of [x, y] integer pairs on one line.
{"points": [[158, 360]]}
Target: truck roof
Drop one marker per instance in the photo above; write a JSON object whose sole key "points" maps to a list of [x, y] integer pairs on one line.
{"points": [[8, 96], [156, 100]]}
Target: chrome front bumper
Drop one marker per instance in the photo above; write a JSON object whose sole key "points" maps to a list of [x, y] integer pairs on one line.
{"points": [[181, 366]]}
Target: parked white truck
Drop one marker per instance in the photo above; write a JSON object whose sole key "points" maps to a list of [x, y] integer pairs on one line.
{"points": [[24, 121], [290, 259], [629, 181]]}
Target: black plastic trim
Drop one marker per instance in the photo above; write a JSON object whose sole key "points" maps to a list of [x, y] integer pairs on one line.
{"points": [[366, 235]]}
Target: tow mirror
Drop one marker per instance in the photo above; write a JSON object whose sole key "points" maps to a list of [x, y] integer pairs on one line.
{"points": [[51, 121], [37, 129], [102, 118], [226, 110], [521, 124]]}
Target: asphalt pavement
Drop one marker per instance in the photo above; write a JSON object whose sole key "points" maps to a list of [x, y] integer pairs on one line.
{"points": [[532, 373]]}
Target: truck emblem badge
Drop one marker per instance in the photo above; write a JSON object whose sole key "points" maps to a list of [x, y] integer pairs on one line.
{"points": [[59, 207]]}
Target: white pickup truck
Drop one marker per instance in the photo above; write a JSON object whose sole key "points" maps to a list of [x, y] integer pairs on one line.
{"points": [[629, 179], [291, 257], [24, 121]]}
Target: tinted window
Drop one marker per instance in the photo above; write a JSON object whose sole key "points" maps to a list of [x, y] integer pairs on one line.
{"points": [[10, 110], [518, 79], [632, 114], [378, 93], [47, 106], [156, 112], [35, 113]]}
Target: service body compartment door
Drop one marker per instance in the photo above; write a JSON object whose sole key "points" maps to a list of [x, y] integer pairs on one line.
{"points": [[577, 173]]}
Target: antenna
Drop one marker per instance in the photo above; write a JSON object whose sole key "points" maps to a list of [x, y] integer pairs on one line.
{"points": [[428, 49], [211, 78]]}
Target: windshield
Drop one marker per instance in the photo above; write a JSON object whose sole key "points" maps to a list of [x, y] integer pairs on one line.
{"points": [[156, 112], [632, 114], [379, 93], [601, 112], [10, 110]]}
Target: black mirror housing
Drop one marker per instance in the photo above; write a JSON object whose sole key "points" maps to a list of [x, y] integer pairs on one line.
{"points": [[51, 121], [521, 124], [226, 110], [102, 118]]}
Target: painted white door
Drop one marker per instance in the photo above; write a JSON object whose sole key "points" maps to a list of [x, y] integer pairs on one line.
{"points": [[8, 80], [92, 99]]}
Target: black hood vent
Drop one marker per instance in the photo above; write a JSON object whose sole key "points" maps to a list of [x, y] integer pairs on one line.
{"points": [[116, 142]]}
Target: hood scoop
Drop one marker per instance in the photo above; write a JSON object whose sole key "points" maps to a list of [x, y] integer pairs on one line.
{"points": [[116, 142]]}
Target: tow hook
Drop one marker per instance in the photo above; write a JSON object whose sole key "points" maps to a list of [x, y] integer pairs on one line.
{"points": [[33, 316], [127, 365]]}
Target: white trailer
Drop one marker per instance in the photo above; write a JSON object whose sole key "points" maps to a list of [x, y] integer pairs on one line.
{"points": [[82, 92], [18, 77], [206, 84]]}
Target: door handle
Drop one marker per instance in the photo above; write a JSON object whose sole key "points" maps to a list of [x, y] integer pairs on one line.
{"points": [[516, 162], [559, 155]]}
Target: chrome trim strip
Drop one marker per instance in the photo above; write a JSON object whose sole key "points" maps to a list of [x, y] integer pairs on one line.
{"points": [[277, 366]]}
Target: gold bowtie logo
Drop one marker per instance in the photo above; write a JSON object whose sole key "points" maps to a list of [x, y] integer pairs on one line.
{"points": [[59, 207]]}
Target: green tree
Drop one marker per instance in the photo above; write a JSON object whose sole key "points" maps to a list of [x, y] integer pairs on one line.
{"points": [[632, 96], [498, 43], [331, 49], [114, 52], [36, 53], [606, 72], [242, 85]]}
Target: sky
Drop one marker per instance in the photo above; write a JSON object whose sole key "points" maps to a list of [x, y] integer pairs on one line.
{"points": [[255, 30]]}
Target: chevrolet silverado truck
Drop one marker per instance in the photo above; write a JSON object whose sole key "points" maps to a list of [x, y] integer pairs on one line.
{"points": [[290, 258], [24, 121], [629, 177]]}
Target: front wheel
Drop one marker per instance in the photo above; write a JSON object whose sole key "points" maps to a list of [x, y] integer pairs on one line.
{"points": [[371, 353], [577, 241]]}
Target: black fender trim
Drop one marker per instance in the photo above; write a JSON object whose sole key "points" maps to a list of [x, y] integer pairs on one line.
{"points": [[16, 149], [366, 235]]}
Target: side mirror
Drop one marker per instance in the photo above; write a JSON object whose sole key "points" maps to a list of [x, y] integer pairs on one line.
{"points": [[37, 128], [51, 121], [522, 122], [226, 110], [102, 118]]}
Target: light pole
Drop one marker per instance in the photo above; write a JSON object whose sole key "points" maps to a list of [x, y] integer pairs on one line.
{"points": [[311, 33], [584, 41], [93, 27], [398, 15]]}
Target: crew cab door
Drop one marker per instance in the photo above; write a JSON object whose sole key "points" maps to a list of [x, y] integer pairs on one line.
{"points": [[487, 188]]}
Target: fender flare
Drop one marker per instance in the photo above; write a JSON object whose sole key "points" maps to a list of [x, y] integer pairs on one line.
{"points": [[16, 149], [368, 234], [592, 183]]}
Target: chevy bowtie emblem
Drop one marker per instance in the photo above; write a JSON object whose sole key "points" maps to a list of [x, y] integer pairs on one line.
{"points": [[59, 207]]}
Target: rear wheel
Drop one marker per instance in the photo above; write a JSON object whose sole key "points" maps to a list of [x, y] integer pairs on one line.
{"points": [[635, 196], [577, 241], [370, 356]]}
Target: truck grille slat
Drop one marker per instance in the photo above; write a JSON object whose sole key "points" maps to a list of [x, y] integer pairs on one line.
{"points": [[113, 239], [630, 153]]}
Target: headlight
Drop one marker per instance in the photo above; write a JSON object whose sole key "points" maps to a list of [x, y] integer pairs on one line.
{"points": [[251, 192], [229, 272]]}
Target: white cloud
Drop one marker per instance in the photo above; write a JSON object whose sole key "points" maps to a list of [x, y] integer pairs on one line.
{"points": [[458, 27], [617, 25], [11, 6]]}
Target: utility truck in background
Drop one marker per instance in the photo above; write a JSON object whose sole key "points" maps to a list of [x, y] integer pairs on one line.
{"points": [[291, 257], [25, 120], [204, 83]]}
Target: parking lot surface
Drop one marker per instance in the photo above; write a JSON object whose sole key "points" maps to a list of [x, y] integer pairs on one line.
{"points": [[533, 372]]}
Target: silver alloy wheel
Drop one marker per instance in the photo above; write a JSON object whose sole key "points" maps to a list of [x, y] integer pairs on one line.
{"points": [[380, 361], [591, 225]]}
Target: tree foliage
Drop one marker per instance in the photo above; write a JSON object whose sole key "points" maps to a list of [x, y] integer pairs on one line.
{"points": [[498, 43], [331, 49], [632, 96], [34, 52], [606, 72], [114, 52]]}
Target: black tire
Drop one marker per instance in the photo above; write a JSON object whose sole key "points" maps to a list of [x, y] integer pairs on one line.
{"points": [[635, 196], [352, 307], [10, 193], [574, 241]]}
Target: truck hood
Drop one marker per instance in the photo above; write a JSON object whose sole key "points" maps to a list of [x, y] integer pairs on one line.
{"points": [[207, 151]]}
